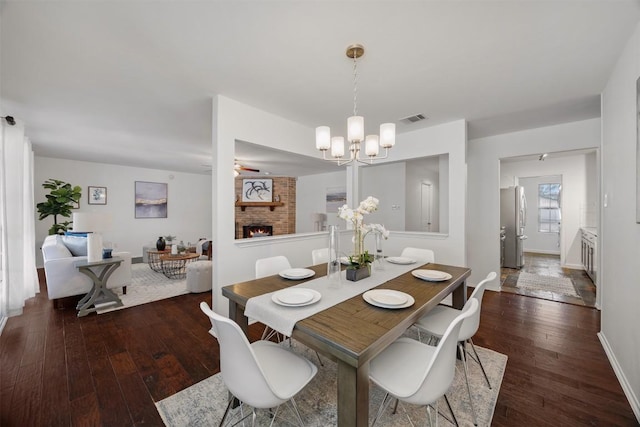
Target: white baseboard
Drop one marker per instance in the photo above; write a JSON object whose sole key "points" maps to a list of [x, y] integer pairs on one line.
{"points": [[3, 321], [574, 266], [541, 251], [626, 386]]}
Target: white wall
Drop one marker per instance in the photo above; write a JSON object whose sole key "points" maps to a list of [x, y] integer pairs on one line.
{"points": [[189, 204], [311, 197], [234, 260], [619, 270], [483, 215], [425, 171], [385, 182], [538, 242]]}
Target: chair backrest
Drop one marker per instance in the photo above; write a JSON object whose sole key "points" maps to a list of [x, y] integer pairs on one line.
{"points": [[320, 256], [440, 370], [239, 367], [471, 325], [426, 255], [270, 266]]}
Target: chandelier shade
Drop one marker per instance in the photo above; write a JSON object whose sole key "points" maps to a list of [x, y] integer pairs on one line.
{"points": [[355, 130]]}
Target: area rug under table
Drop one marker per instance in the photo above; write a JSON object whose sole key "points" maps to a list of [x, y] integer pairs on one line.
{"points": [[558, 285], [147, 286], [203, 404]]}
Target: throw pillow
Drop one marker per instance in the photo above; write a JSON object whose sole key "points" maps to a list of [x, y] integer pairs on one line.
{"points": [[76, 245]]}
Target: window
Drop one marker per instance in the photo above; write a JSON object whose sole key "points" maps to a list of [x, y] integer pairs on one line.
{"points": [[549, 208]]}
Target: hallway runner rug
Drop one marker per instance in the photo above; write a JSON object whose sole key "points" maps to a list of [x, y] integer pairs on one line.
{"points": [[203, 404], [147, 286], [558, 285]]}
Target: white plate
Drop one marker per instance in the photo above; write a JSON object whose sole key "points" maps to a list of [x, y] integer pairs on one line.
{"points": [[400, 260], [296, 297], [431, 275], [296, 273], [388, 297], [374, 297]]}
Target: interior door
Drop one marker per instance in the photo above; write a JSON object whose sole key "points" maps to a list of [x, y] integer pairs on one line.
{"points": [[425, 202]]}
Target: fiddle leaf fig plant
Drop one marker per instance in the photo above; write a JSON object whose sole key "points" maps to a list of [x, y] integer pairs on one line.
{"points": [[60, 200]]}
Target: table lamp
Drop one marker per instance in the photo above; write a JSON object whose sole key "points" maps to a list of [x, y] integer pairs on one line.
{"points": [[92, 224]]}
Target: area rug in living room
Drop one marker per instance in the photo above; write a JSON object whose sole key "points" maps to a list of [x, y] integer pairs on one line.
{"points": [[147, 286], [203, 404], [558, 285]]}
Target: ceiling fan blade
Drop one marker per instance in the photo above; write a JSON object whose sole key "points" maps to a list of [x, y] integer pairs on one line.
{"points": [[248, 169]]}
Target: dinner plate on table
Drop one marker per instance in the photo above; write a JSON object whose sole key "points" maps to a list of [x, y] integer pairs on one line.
{"points": [[388, 298], [431, 275], [400, 260], [297, 273], [296, 297]]}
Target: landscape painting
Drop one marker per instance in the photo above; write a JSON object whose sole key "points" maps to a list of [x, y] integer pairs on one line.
{"points": [[151, 199]]}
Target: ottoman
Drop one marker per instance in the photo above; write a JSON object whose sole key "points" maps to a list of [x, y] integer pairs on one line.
{"points": [[199, 276]]}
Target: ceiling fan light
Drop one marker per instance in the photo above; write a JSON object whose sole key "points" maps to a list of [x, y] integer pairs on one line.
{"points": [[323, 138], [371, 146], [337, 146], [355, 129], [387, 135]]}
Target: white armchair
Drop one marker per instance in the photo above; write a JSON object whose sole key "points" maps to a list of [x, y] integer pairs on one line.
{"points": [[64, 279]]}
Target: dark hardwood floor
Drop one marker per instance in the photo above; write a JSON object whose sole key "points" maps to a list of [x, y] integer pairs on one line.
{"points": [[60, 370]]}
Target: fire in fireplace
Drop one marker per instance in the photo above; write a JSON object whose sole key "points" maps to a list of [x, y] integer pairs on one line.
{"points": [[249, 231]]}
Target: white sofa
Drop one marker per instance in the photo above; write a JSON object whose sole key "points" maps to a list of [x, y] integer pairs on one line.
{"points": [[64, 279]]}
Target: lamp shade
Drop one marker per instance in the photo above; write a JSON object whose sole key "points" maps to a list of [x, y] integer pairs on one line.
{"points": [[371, 146], [337, 146], [90, 221], [387, 135], [323, 138], [355, 129]]}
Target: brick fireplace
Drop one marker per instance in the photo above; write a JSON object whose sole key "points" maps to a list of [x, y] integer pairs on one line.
{"points": [[282, 218]]}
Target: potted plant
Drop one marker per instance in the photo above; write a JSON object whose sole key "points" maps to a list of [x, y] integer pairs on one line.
{"points": [[60, 200], [360, 261]]}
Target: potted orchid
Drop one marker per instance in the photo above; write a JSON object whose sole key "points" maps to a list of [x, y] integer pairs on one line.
{"points": [[360, 259]]}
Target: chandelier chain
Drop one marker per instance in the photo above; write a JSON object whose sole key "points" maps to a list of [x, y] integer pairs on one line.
{"points": [[355, 84]]}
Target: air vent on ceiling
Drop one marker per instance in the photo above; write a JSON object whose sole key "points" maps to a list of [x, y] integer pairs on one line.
{"points": [[414, 118]]}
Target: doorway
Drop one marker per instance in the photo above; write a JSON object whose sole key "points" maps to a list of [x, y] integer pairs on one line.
{"points": [[426, 195]]}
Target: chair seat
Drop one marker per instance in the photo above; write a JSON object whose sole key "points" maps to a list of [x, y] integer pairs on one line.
{"points": [[284, 383], [395, 368], [438, 320]]}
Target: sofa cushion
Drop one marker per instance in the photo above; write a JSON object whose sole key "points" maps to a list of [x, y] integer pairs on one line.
{"points": [[55, 250], [76, 245]]}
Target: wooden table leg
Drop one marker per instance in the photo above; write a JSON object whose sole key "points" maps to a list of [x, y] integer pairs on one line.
{"points": [[460, 296], [236, 313], [353, 395]]}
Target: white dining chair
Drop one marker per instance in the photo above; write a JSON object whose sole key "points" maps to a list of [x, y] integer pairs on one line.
{"points": [[436, 321], [418, 373], [419, 254], [262, 374], [272, 265], [319, 256]]}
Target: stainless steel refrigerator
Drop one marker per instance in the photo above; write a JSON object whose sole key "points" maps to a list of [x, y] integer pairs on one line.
{"points": [[513, 217]]}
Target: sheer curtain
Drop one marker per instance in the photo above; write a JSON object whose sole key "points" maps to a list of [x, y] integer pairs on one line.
{"points": [[18, 275]]}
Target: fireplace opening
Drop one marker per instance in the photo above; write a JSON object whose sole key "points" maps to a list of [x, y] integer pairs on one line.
{"points": [[250, 231]]}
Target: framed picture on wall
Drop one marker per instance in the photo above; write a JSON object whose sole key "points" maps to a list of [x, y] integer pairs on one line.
{"points": [[151, 199], [257, 190], [97, 195]]}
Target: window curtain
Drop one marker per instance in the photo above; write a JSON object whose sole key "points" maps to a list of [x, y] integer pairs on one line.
{"points": [[18, 275]]}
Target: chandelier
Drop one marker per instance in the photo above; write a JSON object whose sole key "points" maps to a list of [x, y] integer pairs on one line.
{"points": [[355, 130]]}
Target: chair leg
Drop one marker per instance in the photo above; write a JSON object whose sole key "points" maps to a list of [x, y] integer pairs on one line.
{"points": [[295, 409], [480, 363], [226, 412], [383, 405], [273, 415], [319, 360], [463, 356], [455, 420], [429, 416]]}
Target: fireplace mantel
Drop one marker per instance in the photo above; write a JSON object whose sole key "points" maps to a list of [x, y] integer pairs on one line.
{"points": [[270, 205]]}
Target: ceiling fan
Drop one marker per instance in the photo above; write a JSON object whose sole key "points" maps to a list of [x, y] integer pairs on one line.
{"points": [[237, 167]]}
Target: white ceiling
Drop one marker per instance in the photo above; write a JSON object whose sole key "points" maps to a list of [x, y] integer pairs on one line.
{"points": [[131, 82]]}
